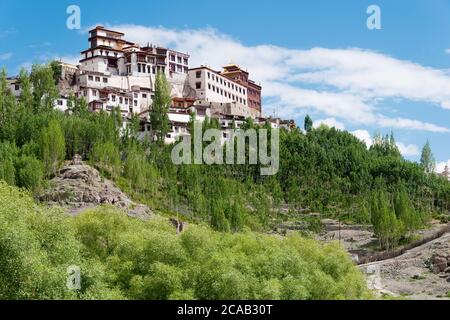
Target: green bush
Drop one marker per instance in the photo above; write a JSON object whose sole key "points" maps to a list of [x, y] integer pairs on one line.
{"points": [[125, 258]]}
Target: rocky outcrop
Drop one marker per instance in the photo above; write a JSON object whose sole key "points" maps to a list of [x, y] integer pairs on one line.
{"points": [[440, 264], [79, 186]]}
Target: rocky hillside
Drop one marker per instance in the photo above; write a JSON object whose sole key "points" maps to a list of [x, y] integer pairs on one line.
{"points": [[80, 186]]}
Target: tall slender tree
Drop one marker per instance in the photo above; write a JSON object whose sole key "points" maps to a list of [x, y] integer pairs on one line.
{"points": [[53, 147], [161, 103], [427, 159], [308, 123]]}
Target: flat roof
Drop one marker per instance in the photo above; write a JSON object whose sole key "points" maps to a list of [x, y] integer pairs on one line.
{"points": [[217, 73], [107, 30]]}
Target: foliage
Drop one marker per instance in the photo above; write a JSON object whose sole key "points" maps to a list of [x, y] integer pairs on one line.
{"points": [[53, 147], [160, 107], [125, 258], [325, 170], [308, 126], [427, 159]]}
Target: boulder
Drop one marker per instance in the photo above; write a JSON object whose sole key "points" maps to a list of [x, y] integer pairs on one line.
{"points": [[439, 262], [79, 185]]}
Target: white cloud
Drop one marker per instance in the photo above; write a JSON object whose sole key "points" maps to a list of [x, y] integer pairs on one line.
{"points": [[440, 166], [5, 56], [71, 59], [330, 122], [351, 81], [364, 136], [409, 150]]}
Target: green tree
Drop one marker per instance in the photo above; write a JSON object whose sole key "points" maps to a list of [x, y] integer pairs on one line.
{"points": [[135, 169], [8, 110], [160, 107], [106, 157], [427, 159], [386, 226], [45, 91], [30, 173], [405, 212], [308, 124], [8, 154], [53, 147]]}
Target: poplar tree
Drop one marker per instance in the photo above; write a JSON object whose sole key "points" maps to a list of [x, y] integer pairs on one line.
{"points": [[308, 123], [53, 147], [427, 159], [45, 91], [160, 107]]}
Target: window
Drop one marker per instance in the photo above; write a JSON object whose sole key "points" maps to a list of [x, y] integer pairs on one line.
{"points": [[113, 98], [172, 57], [126, 100], [209, 86], [97, 79], [198, 85], [144, 96], [209, 75], [136, 95], [105, 80], [179, 59], [16, 87], [135, 103], [148, 69], [91, 78], [139, 67], [60, 102], [185, 61], [120, 100], [94, 93], [198, 74]]}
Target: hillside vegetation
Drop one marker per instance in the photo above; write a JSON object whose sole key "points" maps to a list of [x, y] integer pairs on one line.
{"points": [[223, 253], [125, 258], [324, 169]]}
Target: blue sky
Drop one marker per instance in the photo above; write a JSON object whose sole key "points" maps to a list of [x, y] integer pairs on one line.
{"points": [[315, 57]]}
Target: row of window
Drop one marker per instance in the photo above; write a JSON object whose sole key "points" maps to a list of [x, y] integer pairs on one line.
{"points": [[178, 59], [121, 100], [178, 68], [144, 68], [222, 92], [97, 79], [222, 81]]}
